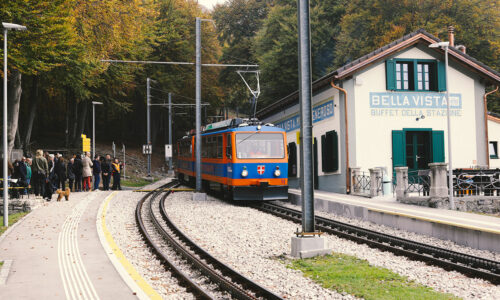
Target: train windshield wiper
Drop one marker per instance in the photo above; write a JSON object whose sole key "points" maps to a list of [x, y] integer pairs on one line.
{"points": [[248, 137]]}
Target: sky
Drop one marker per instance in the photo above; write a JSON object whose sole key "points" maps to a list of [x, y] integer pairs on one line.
{"points": [[210, 3]]}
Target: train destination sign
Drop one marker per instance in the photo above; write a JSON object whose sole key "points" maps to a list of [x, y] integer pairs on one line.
{"points": [[414, 104], [319, 112]]}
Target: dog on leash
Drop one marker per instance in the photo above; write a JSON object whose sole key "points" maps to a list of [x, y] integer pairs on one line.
{"points": [[61, 194]]}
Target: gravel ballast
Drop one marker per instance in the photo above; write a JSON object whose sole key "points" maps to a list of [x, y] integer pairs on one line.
{"points": [[249, 241], [120, 221], [405, 234]]}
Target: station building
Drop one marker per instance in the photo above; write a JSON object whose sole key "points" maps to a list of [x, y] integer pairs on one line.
{"points": [[388, 109], [494, 139]]}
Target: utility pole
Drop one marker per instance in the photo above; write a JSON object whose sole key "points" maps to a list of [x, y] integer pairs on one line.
{"points": [[306, 241], [148, 116], [170, 167], [307, 177], [198, 106], [124, 162]]}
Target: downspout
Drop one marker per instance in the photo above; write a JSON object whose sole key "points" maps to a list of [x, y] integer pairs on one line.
{"points": [[486, 125], [347, 175]]}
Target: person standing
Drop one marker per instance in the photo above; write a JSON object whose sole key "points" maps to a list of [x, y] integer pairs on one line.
{"points": [[96, 170], [78, 169], [28, 163], [60, 171], [70, 174], [106, 170], [116, 175], [87, 172], [40, 170]]}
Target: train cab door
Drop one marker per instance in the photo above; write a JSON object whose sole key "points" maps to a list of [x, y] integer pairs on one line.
{"points": [[315, 162]]}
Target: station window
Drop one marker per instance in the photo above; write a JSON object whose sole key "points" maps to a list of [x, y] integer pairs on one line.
{"points": [[330, 151], [292, 160], [494, 150], [415, 75]]}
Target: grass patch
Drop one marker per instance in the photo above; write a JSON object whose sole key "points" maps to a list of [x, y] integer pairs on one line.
{"points": [[12, 219], [136, 182], [354, 276]]}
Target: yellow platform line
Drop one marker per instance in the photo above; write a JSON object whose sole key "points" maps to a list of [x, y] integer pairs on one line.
{"points": [[139, 280]]}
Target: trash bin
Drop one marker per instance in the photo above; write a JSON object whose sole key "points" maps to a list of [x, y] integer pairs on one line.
{"points": [[386, 182]]}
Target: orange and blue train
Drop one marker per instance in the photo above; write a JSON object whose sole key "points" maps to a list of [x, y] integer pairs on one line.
{"points": [[246, 160]]}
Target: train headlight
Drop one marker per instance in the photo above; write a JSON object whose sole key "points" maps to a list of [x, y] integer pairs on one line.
{"points": [[244, 173], [277, 172]]}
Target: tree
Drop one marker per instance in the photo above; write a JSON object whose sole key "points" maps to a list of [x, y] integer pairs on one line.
{"points": [[237, 24], [277, 42], [44, 46]]}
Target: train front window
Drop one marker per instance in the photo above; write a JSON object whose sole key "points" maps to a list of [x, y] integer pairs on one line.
{"points": [[260, 145]]}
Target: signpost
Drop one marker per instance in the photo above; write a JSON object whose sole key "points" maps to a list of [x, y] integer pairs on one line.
{"points": [[147, 149], [85, 143]]}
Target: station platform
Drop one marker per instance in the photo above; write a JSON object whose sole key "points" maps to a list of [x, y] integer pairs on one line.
{"points": [[55, 253], [468, 229]]}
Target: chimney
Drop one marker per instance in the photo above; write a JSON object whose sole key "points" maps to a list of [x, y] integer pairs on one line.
{"points": [[461, 48], [451, 35]]}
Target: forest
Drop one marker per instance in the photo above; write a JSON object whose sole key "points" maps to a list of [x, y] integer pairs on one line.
{"points": [[55, 68]]}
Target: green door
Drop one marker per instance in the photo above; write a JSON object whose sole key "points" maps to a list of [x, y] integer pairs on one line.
{"points": [[418, 150]]}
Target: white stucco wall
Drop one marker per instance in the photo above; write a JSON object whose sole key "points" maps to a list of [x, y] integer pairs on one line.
{"points": [[319, 128], [494, 136], [373, 139]]}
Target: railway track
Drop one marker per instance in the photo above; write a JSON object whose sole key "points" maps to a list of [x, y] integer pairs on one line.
{"points": [[201, 274], [450, 260]]}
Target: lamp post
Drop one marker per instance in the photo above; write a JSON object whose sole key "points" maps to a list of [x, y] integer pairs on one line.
{"points": [[6, 28], [94, 103], [445, 46]]}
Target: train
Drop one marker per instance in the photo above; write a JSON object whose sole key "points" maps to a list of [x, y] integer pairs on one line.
{"points": [[244, 159]]}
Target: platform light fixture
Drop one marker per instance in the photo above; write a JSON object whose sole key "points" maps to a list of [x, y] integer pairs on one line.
{"points": [[6, 28], [446, 46]]}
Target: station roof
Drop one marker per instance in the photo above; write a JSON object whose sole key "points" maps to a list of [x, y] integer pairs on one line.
{"points": [[347, 70]]}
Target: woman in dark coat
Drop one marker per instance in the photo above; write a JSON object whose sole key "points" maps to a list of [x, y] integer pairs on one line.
{"points": [[60, 170], [70, 174], [78, 169]]}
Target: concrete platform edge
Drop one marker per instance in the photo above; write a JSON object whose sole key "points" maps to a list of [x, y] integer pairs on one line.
{"points": [[124, 274], [463, 236]]}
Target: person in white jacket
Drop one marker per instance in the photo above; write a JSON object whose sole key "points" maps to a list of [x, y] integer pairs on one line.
{"points": [[87, 172]]}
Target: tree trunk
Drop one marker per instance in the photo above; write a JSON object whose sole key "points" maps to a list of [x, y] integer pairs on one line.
{"points": [[14, 96], [75, 122], [68, 112], [18, 144], [81, 120], [32, 114]]}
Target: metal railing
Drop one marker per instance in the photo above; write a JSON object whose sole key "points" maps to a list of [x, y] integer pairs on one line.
{"points": [[476, 183], [419, 183], [361, 183]]}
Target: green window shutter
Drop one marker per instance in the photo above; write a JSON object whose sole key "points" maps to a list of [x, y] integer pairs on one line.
{"points": [[324, 154], [398, 148], [438, 146], [335, 151], [441, 76], [330, 151], [390, 72]]}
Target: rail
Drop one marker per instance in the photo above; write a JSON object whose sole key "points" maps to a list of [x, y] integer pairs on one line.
{"points": [[223, 276], [467, 264]]}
